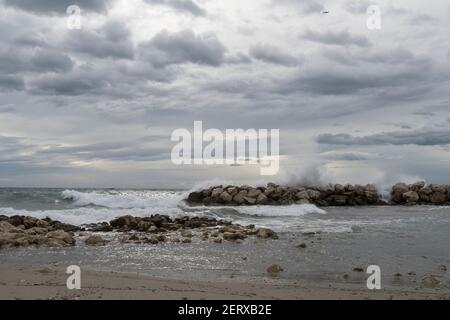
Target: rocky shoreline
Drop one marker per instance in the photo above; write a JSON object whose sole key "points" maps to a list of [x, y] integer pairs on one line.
{"points": [[418, 193], [24, 231]]}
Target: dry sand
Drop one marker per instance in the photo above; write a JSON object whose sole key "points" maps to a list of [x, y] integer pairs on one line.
{"points": [[49, 282]]}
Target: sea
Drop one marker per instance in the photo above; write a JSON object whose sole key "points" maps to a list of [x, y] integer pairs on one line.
{"points": [[407, 243]]}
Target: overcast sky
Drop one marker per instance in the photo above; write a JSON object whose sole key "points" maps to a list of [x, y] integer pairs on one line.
{"points": [[96, 107]]}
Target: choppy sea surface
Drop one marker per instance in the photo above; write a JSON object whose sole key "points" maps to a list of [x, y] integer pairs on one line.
{"points": [[407, 243]]}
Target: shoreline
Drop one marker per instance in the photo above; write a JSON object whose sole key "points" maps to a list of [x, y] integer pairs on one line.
{"points": [[49, 283]]}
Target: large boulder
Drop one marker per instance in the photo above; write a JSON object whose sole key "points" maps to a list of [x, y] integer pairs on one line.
{"points": [[417, 186], [425, 194], [239, 198], [95, 240], [339, 189], [397, 192], [64, 237], [226, 197], [411, 197], [265, 233], [215, 194], [195, 197], [254, 193], [438, 198], [262, 199], [313, 194]]}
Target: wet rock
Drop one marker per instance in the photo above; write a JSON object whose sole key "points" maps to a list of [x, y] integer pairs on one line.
{"points": [[254, 193], [239, 198], [95, 240], [397, 192], [411, 197], [265, 233], [250, 201], [438, 198], [358, 269], [229, 236], [186, 240], [416, 187], [301, 246], [442, 268], [226, 197], [430, 281], [60, 237], [187, 234], [215, 194], [274, 269]]}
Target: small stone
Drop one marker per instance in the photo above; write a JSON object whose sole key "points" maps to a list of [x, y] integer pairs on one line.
{"points": [[301, 246], [430, 281], [95, 241], [274, 269]]}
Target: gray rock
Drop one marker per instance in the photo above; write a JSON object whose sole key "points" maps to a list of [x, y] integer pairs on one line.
{"points": [[95, 240], [411, 197]]}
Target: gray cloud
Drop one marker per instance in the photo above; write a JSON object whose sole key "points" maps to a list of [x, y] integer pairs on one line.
{"points": [[49, 60], [41, 60], [305, 6], [271, 54], [11, 82], [421, 137], [341, 38], [183, 47], [348, 155], [186, 6], [112, 40], [50, 7], [73, 84]]}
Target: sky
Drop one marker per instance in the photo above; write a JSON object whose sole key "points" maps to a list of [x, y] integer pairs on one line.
{"points": [[96, 106]]}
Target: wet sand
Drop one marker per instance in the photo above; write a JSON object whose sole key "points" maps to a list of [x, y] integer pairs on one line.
{"points": [[49, 282]]}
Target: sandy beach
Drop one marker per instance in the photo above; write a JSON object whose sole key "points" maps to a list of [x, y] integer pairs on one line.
{"points": [[49, 283]]}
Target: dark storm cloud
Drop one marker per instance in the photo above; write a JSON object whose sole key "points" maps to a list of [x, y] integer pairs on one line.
{"points": [[422, 137], [42, 61], [305, 6], [50, 7], [31, 39], [185, 6], [271, 54], [340, 38], [48, 60], [113, 40], [183, 47], [330, 79], [348, 155], [11, 82], [73, 84]]}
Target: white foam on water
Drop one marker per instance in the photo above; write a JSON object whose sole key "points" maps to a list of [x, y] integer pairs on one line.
{"points": [[282, 211], [123, 199]]}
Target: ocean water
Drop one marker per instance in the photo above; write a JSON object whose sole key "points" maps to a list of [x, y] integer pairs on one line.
{"points": [[398, 239]]}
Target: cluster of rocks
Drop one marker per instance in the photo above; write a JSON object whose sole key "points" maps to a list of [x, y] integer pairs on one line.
{"points": [[273, 194], [20, 231], [159, 229], [336, 195], [420, 193]]}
